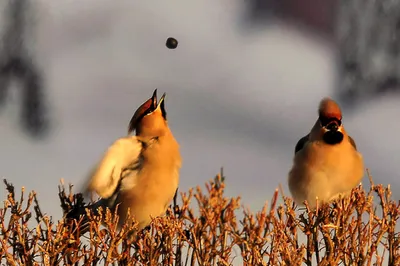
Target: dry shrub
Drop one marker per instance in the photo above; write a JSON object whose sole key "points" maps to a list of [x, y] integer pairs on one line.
{"points": [[354, 231]]}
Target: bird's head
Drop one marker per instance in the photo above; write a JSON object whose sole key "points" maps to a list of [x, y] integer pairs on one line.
{"points": [[150, 119], [330, 121]]}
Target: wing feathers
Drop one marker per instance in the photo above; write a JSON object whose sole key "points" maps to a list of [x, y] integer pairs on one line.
{"points": [[300, 144], [353, 143], [122, 154]]}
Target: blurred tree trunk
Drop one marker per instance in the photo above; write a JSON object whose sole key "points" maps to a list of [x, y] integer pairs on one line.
{"points": [[17, 61], [368, 34], [317, 15]]}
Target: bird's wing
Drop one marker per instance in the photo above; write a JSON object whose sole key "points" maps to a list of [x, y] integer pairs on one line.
{"points": [[353, 143], [124, 153], [300, 144]]}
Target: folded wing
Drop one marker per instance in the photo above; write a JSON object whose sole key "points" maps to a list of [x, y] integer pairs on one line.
{"points": [[300, 144]]}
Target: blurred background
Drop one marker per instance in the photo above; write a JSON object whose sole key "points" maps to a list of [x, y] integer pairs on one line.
{"points": [[242, 87]]}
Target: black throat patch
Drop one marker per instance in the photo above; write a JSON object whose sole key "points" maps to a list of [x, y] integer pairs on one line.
{"points": [[333, 137]]}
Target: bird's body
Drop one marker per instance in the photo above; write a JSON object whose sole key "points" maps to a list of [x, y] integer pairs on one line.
{"points": [[149, 187], [326, 162], [139, 174]]}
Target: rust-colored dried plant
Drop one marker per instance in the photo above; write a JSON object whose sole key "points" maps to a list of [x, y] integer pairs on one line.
{"points": [[208, 228]]}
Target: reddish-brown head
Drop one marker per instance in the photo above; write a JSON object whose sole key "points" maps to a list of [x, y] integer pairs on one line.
{"points": [[329, 111], [330, 120], [150, 117]]}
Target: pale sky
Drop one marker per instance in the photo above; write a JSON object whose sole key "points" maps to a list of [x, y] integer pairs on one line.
{"points": [[236, 97]]}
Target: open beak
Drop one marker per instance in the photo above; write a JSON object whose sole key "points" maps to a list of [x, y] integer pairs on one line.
{"points": [[161, 100], [161, 105], [147, 107], [155, 106], [154, 99]]}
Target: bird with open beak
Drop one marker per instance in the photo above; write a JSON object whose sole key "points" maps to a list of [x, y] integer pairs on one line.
{"points": [[326, 163], [138, 173]]}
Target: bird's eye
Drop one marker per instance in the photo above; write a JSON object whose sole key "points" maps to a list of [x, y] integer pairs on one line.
{"points": [[324, 121]]}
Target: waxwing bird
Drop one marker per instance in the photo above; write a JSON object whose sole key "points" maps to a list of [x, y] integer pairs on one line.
{"points": [[326, 163], [138, 173]]}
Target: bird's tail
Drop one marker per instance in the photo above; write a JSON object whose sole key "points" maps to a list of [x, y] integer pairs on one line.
{"points": [[80, 223]]}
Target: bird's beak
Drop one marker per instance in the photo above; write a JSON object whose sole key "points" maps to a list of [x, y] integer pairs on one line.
{"points": [[161, 105], [333, 126], [154, 100], [161, 102]]}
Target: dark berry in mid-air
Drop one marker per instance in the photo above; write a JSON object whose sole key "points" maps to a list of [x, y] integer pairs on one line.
{"points": [[171, 43]]}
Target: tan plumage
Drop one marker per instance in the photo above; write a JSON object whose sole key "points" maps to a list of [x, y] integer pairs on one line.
{"points": [[326, 162], [140, 173]]}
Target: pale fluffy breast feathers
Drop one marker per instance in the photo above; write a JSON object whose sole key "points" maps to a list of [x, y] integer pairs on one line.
{"points": [[127, 156]]}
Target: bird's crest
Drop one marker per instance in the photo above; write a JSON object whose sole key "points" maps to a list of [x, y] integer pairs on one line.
{"points": [[328, 108]]}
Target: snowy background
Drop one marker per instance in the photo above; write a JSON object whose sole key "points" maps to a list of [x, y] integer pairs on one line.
{"points": [[238, 96]]}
